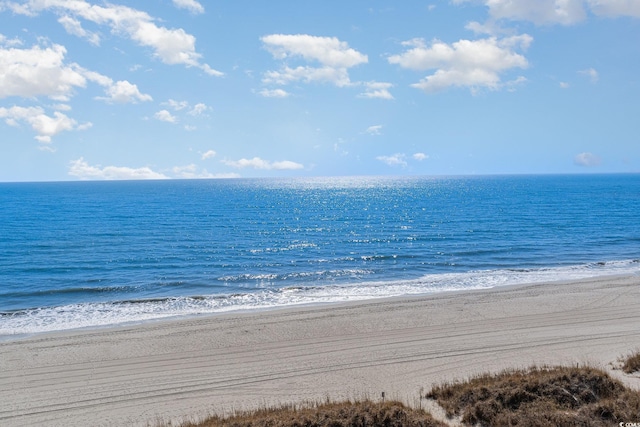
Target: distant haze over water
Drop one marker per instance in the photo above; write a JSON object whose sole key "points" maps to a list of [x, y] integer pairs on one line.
{"points": [[82, 254]]}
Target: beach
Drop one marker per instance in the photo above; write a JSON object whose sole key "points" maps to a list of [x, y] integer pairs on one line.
{"points": [[184, 369]]}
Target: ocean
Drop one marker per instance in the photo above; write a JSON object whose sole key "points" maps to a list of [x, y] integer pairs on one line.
{"points": [[93, 254]]}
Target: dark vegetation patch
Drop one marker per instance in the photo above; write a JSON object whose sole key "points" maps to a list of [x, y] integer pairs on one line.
{"points": [[347, 414], [541, 397], [631, 363]]}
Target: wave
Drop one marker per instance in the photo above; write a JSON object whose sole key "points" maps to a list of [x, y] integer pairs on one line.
{"points": [[74, 316], [82, 290], [275, 277]]}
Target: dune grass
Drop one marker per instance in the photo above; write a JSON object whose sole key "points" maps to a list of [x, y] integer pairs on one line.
{"points": [[536, 397], [345, 414], [631, 363], [558, 396]]}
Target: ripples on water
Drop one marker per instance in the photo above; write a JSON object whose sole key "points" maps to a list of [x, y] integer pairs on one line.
{"points": [[104, 252]]}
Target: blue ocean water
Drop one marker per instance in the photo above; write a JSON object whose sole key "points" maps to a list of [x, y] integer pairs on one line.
{"points": [[83, 254]]}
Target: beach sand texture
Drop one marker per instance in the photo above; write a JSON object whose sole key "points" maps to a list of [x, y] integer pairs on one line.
{"points": [[185, 369]]}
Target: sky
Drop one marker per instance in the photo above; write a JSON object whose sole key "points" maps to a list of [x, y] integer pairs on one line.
{"points": [[171, 89]]}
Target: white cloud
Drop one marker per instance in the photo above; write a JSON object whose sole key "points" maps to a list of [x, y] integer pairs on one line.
{"points": [[615, 7], [394, 160], [377, 90], [171, 46], [74, 27], [326, 50], [374, 130], [563, 12], [38, 71], [198, 109], [81, 169], [97, 78], [4, 41], [420, 156], [258, 163], [124, 92], [337, 76], [539, 12], [335, 57], [466, 63], [591, 73], [165, 116], [208, 155], [42, 71], [193, 172], [275, 93], [191, 5], [62, 107], [176, 105], [587, 159], [45, 126], [564, 85]]}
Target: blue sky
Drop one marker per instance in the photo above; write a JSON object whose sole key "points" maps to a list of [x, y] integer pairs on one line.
{"points": [[187, 89]]}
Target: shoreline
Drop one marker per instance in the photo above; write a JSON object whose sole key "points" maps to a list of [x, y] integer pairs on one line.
{"points": [[28, 322], [178, 369]]}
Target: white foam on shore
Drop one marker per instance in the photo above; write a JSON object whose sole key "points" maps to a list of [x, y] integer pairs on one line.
{"points": [[49, 319]]}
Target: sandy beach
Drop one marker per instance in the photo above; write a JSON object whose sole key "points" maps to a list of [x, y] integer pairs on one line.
{"points": [[187, 368]]}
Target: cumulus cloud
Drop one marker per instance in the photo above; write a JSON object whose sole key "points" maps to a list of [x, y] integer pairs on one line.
{"points": [[394, 160], [42, 71], [38, 71], [275, 93], [258, 163], [334, 57], [563, 12], [378, 90], [171, 46], [165, 116], [198, 109], [473, 64], [208, 154], [45, 126], [81, 169], [123, 92], [191, 5], [587, 159], [374, 130], [420, 157]]}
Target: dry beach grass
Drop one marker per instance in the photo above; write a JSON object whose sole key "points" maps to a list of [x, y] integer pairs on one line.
{"points": [[331, 414]]}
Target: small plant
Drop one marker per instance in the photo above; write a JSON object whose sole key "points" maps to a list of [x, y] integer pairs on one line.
{"points": [[632, 363]]}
